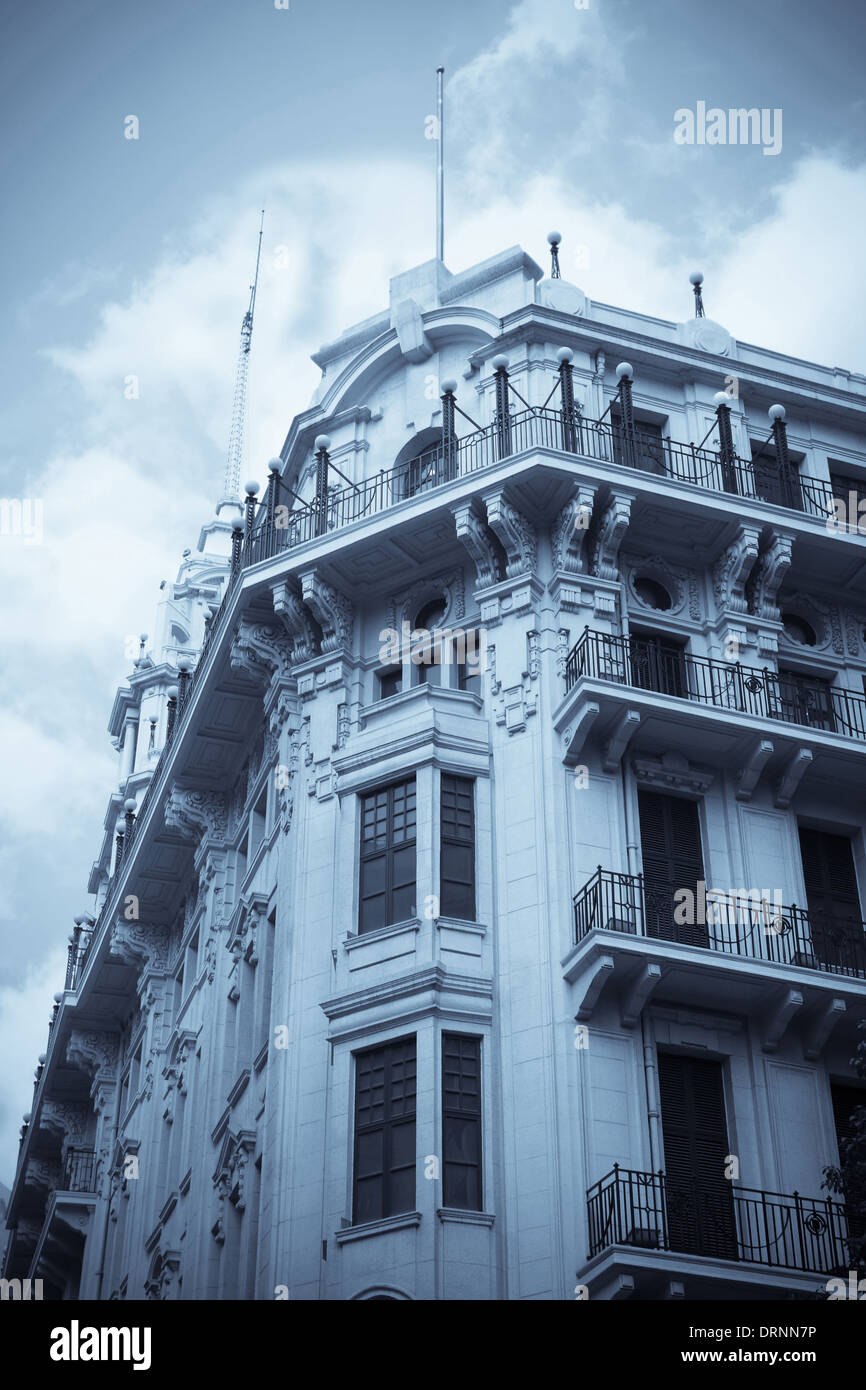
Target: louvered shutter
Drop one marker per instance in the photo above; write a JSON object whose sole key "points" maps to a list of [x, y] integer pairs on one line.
{"points": [[832, 900], [670, 835], [699, 1200]]}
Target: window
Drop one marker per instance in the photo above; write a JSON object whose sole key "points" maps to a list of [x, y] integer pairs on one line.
{"points": [[798, 630], [643, 449], [457, 848], [843, 485], [390, 679], [387, 856], [700, 1206], [461, 1121], [773, 483], [384, 1131], [658, 662], [670, 834], [469, 677], [653, 594], [258, 823]]}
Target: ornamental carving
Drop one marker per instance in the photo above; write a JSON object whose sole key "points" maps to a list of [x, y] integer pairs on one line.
{"points": [[304, 633], [732, 569], [139, 945], [68, 1122], [612, 526], [569, 532], [197, 815], [766, 578], [332, 610], [404, 606], [93, 1052], [516, 533], [260, 651], [479, 542]]}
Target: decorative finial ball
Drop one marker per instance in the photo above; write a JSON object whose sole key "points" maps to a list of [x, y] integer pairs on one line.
{"points": [[237, 523], [58, 998], [500, 360], [275, 465], [721, 398], [27, 1116], [142, 637], [449, 384], [80, 919], [564, 354], [696, 277], [129, 805], [625, 369], [323, 441], [251, 488], [173, 692], [184, 663], [776, 412], [554, 238], [42, 1058]]}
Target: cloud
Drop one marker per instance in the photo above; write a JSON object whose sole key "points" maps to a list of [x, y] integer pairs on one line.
{"points": [[24, 1013]]}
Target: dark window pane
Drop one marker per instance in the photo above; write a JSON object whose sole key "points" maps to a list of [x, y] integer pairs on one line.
{"points": [[385, 1161], [461, 1119], [387, 888]]}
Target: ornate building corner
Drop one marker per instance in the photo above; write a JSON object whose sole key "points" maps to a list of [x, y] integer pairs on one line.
{"points": [[612, 526], [732, 569], [515, 531], [479, 542], [333, 611]]}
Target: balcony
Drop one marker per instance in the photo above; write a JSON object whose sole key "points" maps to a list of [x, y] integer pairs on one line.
{"points": [[734, 924], [603, 441], [735, 1225], [725, 685], [79, 1174]]}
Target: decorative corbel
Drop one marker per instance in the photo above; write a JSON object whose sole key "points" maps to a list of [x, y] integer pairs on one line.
{"points": [[260, 651], [304, 632], [481, 544], [569, 531], [196, 814], [332, 610], [732, 570], [516, 533], [769, 570], [612, 526]]}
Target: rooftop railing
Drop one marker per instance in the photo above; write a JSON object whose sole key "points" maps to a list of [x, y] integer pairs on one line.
{"points": [[737, 923], [779, 1230], [647, 664]]}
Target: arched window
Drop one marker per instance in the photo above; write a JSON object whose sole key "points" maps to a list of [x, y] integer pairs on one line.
{"points": [[419, 464]]}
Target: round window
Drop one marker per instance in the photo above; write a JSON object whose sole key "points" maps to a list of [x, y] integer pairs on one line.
{"points": [[653, 594], [431, 615], [798, 630]]}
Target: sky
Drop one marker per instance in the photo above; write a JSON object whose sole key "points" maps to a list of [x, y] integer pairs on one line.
{"points": [[132, 257]]}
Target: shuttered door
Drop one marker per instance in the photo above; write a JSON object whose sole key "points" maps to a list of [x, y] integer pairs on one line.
{"points": [[699, 1201], [670, 834], [658, 665], [832, 900]]}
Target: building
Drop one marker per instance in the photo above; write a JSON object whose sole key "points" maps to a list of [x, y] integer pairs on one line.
{"points": [[479, 911]]}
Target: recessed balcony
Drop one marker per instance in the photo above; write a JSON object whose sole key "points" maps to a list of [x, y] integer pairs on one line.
{"points": [[648, 1232]]}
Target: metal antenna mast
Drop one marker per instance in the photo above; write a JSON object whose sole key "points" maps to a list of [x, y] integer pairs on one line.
{"points": [[232, 483], [440, 166]]}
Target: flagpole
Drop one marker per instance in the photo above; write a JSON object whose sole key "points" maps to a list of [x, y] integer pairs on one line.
{"points": [[440, 166]]}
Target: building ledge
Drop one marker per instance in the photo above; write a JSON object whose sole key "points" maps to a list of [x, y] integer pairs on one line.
{"points": [[378, 1228]]}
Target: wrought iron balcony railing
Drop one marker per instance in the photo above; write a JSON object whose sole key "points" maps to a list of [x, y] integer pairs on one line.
{"points": [[726, 1222], [733, 923], [80, 1171], [606, 441], [645, 664]]}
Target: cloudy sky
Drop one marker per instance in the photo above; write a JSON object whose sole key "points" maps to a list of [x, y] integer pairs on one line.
{"points": [[125, 257]]}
